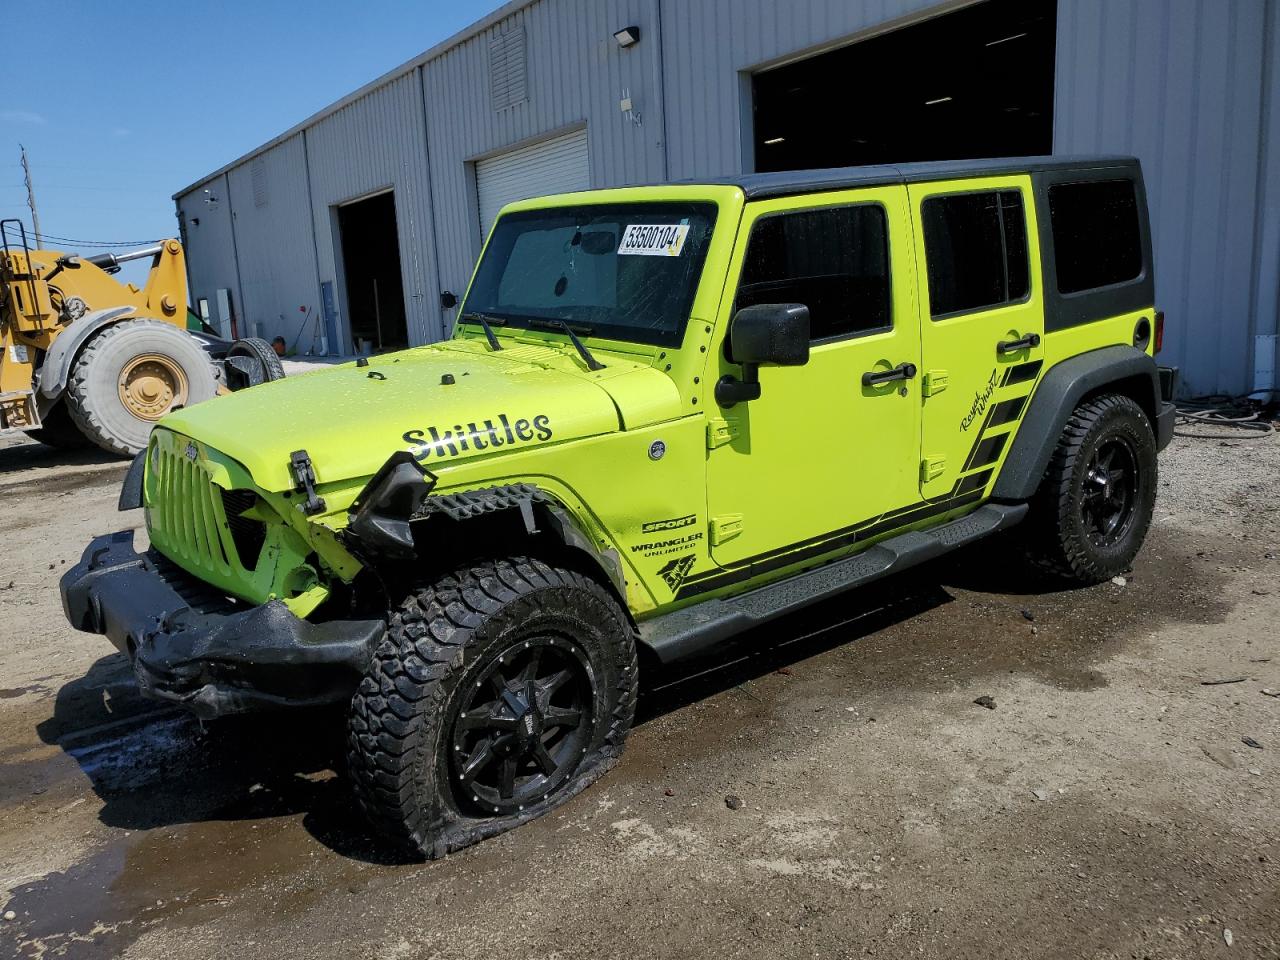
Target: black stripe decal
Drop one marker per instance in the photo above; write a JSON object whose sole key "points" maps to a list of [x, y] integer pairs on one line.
{"points": [[988, 451], [1021, 373], [1006, 411], [788, 556], [975, 481]]}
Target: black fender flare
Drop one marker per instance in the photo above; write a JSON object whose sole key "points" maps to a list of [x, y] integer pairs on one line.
{"points": [[1126, 369], [399, 496]]}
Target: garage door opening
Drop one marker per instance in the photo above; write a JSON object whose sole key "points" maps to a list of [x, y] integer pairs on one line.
{"points": [[371, 266], [977, 82], [558, 165]]}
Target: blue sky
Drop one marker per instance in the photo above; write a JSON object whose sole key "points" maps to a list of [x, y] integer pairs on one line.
{"points": [[121, 104]]}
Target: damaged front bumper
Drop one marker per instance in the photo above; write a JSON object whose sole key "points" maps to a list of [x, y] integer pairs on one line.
{"points": [[191, 646]]}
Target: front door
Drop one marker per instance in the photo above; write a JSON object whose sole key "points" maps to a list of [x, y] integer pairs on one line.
{"points": [[820, 451], [983, 319]]}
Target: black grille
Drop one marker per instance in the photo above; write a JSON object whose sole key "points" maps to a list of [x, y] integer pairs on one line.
{"points": [[200, 596], [247, 535]]}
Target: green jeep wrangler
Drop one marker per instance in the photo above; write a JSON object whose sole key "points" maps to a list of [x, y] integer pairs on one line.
{"points": [[666, 414]]}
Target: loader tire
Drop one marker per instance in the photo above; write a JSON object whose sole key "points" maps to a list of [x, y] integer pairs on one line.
{"points": [[498, 692], [132, 374], [263, 363], [58, 430]]}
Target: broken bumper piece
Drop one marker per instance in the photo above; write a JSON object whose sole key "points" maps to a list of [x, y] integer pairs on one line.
{"points": [[192, 646]]}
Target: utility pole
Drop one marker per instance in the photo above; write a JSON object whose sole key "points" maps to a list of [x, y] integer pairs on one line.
{"points": [[31, 196]]}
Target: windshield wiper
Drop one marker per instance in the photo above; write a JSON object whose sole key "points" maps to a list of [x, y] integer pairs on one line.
{"points": [[551, 323], [484, 320]]}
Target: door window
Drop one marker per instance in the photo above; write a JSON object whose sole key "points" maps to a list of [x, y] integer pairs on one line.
{"points": [[976, 248], [834, 261]]}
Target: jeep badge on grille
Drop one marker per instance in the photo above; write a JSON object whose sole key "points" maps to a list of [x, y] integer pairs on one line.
{"points": [[192, 452]]}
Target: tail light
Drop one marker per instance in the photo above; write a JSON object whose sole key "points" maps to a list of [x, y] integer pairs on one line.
{"points": [[1159, 331]]}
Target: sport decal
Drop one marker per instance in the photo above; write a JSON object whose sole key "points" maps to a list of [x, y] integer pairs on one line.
{"points": [[467, 436], [675, 571], [653, 240], [656, 526]]}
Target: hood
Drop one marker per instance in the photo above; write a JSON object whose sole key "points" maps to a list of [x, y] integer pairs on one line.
{"points": [[445, 403]]}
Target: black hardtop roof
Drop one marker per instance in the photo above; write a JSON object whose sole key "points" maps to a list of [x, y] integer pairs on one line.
{"points": [[790, 182]]}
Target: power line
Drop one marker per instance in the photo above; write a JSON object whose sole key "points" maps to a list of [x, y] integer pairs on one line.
{"points": [[99, 243]]}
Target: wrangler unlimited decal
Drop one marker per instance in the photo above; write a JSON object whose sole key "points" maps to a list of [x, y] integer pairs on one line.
{"points": [[481, 437], [656, 548]]}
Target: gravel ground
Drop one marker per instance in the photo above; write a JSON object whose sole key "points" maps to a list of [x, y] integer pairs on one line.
{"points": [[1108, 805]]}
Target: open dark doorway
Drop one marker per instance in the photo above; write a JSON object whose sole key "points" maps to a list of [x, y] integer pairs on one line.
{"points": [[977, 82], [371, 265]]}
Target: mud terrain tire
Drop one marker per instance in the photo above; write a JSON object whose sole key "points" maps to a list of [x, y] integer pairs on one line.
{"points": [[453, 673], [1093, 509]]}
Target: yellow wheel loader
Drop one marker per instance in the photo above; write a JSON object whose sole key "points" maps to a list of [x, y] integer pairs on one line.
{"points": [[85, 358]]}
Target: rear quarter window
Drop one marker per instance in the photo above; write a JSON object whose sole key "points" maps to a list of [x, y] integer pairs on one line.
{"points": [[1097, 239]]}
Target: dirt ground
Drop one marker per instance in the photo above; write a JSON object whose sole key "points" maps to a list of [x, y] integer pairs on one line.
{"points": [[1108, 806]]}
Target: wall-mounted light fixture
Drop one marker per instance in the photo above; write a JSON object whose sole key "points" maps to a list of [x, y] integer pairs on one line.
{"points": [[210, 197], [627, 37]]}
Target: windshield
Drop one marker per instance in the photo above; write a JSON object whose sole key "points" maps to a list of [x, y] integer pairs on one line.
{"points": [[625, 271]]}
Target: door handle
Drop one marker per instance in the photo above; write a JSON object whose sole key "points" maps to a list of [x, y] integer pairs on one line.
{"points": [[903, 371], [1022, 343]]}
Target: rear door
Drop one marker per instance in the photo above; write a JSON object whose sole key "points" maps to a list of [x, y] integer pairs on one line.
{"points": [[982, 327], [820, 452]]}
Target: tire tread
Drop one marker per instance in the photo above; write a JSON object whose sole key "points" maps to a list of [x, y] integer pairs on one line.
{"points": [[425, 644]]}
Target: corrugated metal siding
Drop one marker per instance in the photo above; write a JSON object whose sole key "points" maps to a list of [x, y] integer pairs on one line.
{"points": [[710, 45], [1266, 304], [1180, 84], [209, 249], [558, 165], [1183, 84], [273, 241], [576, 74], [377, 142]]}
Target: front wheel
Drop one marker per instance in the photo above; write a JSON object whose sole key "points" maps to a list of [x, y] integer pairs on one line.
{"points": [[1091, 514], [499, 691], [132, 374]]}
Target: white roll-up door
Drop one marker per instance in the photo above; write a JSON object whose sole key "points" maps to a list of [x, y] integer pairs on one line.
{"points": [[550, 166]]}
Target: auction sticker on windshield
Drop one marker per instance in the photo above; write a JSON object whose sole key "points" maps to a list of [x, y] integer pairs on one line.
{"points": [[654, 240]]}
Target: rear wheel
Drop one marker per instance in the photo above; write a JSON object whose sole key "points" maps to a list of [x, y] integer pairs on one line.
{"points": [[250, 362], [499, 691], [132, 374], [1092, 511]]}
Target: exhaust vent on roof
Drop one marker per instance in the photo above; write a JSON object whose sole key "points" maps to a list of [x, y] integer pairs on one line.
{"points": [[507, 74]]}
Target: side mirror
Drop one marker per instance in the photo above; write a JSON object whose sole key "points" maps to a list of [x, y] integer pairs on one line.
{"points": [[767, 333]]}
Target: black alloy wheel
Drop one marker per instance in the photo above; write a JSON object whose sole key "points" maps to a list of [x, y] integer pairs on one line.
{"points": [[522, 726], [1110, 491]]}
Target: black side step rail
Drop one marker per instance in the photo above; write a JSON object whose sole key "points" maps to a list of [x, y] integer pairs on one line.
{"points": [[692, 630]]}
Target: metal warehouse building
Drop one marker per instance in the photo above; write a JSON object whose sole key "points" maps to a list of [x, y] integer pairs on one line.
{"points": [[368, 216]]}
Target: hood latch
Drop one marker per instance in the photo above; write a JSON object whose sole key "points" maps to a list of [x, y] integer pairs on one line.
{"points": [[304, 481]]}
